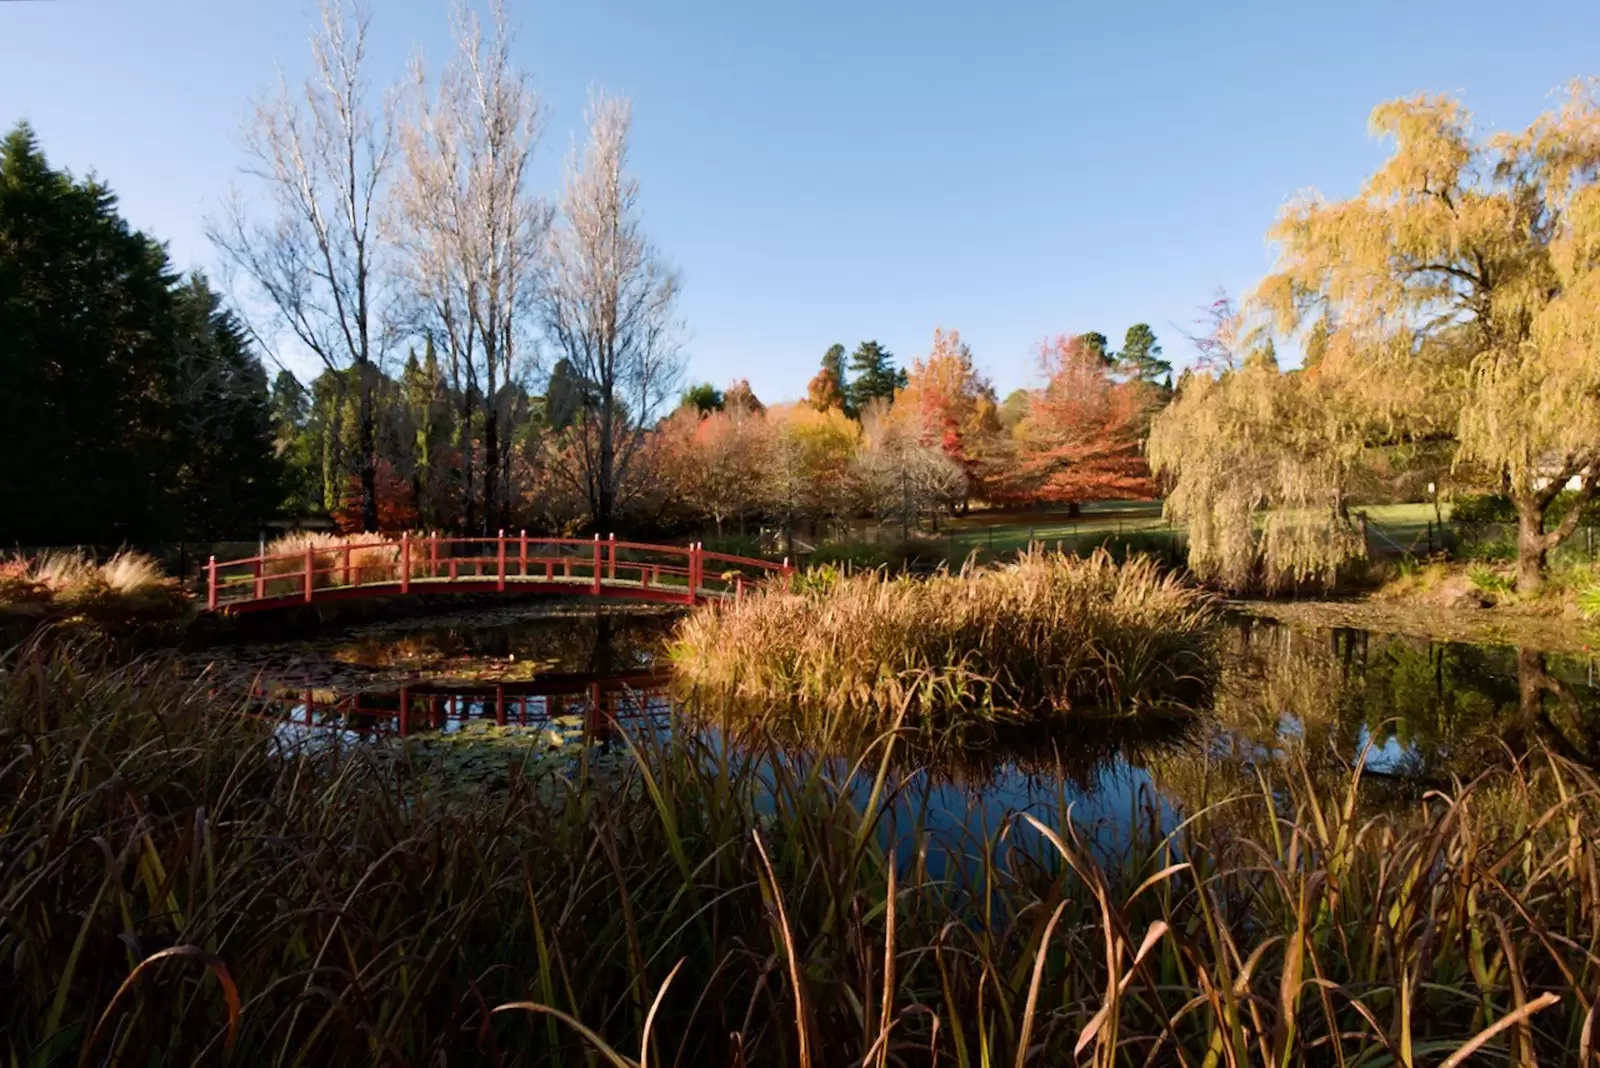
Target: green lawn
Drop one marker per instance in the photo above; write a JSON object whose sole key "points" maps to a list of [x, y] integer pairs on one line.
{"points": [[1393, 528], [1009, 531]]}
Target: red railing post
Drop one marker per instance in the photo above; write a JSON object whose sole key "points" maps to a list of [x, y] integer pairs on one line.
{"points": [[405, 707], [405, 561], [500, 576], [597, 565], [261, 576], [311, 570], [433, 555], [346, 555], [695, 564], [611, 558], [211, 584], [522, 554]]}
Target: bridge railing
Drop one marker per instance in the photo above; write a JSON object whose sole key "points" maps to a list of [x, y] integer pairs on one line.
{"points": [[411, 562]]}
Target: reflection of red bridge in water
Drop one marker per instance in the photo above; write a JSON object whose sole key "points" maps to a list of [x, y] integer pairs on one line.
{"points": [[605, 568], [604, 701]]}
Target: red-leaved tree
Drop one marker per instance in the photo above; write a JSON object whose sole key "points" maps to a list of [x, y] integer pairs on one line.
{"points": [[946, 403], [1083, 436]]}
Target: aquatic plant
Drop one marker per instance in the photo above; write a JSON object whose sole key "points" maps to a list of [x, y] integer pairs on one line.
{"points": [[178, 892], [1052, 632]]}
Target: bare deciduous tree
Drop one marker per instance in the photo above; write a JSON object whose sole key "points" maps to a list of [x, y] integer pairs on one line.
{"points": [[607, 300], [322, 156], [471, 230]]}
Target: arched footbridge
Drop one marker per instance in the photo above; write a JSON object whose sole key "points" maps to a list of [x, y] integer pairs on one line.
{"points": [[600, 567]]}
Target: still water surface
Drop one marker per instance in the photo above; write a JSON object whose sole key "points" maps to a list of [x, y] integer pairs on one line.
{"points": [[1419, 714]]}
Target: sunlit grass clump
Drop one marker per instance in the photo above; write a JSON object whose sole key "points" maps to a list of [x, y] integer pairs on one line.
{"points": [[66, 581], [1049, 633], [371, 559]]}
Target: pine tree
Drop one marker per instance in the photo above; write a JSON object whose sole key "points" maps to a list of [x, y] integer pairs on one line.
{"points": [[229, 478], [873, 375], [96, 341], [1140, 358]]}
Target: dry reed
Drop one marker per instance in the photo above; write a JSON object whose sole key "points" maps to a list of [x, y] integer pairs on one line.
{"points": [[1049, 633], [176, 891]]}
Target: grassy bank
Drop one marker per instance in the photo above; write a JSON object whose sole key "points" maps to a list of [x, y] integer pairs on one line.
{"points": [[176, 893], [1049, 633]]}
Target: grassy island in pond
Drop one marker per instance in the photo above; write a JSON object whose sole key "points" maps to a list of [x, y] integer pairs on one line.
{"points": [[1049, 633]]}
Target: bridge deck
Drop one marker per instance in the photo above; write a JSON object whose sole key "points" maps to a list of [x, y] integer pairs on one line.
{"points": [[628, 571]]}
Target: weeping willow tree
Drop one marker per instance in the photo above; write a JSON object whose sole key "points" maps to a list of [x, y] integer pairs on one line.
{"points": [[1455, 300]]}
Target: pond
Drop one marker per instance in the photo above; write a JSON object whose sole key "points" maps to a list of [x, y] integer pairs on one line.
{"points": [[1419, 715]]}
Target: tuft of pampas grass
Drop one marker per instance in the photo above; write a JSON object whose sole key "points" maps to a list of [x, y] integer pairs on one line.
{"points": [[1049, 633], [71, 580]]}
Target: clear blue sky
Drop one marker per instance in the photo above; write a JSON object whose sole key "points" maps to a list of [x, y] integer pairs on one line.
{"points": [[845, 170]]}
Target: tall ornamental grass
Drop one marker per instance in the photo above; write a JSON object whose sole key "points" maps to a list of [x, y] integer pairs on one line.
{"points": [[1050, 633], [176, 890], [69, 580], [180, 891], [369, 562]]}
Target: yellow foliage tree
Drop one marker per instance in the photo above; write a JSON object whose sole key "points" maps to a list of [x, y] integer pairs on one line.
{"points": [[1455, 298], [808, 462]]}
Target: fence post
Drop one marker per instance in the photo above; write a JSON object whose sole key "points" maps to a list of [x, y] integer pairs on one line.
{"points": [[597, 565], [211, 584], [405, 562], [500, 578], [346, 556], [522, 555], [433, 555], [694, 571], [311, 569], [611, 557], [261, 575]]}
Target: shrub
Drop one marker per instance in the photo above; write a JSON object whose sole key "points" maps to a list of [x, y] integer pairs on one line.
{"points": [[1163, 546], [909, 554], [1487, 552], [1588, 596], [1496, 508], [735, 545], [1483, 508], [1050, 632], [1488, 580]]}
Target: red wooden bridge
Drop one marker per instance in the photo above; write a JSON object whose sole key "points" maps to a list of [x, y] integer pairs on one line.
{"points": [[600, 567]]}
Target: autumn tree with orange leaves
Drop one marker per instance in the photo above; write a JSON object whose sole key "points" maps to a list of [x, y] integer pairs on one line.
{"points": [[717, 462], [1082, 436], [947, 403]]}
